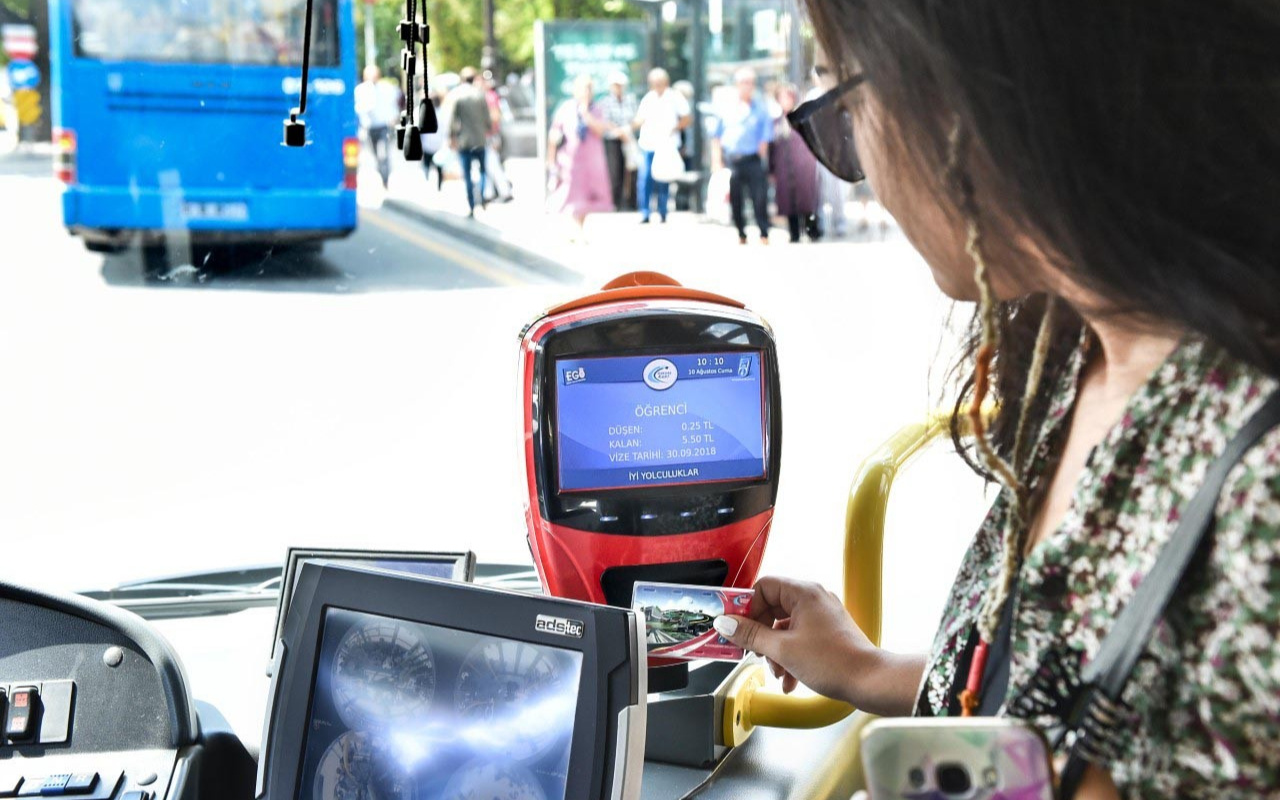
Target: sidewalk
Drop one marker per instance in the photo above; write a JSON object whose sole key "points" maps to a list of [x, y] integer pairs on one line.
{"points": [[523, 230]]}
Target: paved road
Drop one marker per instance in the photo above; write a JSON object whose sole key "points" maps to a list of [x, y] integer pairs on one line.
{"points": [[388, 252], [217, 413]]}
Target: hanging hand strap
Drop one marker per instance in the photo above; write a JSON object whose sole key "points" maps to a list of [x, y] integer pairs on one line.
{"points": [[1110, 670]]}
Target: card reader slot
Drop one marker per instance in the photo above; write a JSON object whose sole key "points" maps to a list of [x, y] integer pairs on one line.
{"points": [[618, 582]]}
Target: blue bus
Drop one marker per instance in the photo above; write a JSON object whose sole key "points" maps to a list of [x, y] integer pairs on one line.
{"points": [[168, 114]]}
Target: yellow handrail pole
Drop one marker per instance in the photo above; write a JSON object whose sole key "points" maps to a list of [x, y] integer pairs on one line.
{"points": [[864, 520], [748, 705]]}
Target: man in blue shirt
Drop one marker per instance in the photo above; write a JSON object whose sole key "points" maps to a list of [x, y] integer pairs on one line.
{"points": [[741, 142]]}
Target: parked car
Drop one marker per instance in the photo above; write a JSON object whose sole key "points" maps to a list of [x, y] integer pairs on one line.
{"points": [[519, 121]]}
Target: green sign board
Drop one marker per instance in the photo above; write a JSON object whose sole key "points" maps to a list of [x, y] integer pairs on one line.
{"points": [[566, 49]]}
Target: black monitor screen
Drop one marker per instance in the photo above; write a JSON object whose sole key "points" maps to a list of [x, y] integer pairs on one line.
{"points": [[449, 566], [439, 567], [408, 711]]}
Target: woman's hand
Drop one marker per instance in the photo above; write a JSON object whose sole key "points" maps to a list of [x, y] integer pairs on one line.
{"points": [[808, 637]]}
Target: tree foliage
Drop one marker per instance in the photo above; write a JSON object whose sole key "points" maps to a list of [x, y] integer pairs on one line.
{"points": [[15, 11], [457, 29]]}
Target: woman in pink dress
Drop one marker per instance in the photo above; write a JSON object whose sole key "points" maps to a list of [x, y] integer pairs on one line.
{"points": [[578, 165]]}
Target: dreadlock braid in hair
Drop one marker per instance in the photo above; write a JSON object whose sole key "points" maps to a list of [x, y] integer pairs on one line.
{"points": [[1007, 474], [1035, 374], [986, 310], [1016, 527]]}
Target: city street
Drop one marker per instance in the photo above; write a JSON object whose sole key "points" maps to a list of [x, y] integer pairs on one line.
{"points": [[392, 252], [367, 396]]}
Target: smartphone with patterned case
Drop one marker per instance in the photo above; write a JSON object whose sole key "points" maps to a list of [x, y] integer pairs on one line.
{"points": [[971, 758]]}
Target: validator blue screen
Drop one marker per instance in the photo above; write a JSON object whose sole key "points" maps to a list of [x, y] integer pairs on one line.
{"points": [[634, 421]]}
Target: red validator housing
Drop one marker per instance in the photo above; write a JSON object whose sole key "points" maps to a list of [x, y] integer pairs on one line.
{"points": [[652, 439]]}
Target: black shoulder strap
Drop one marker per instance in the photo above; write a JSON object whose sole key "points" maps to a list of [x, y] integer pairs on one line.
{"points": [[1110, 669]]}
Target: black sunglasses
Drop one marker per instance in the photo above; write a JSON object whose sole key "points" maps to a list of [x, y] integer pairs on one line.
{"points": [[827, 130]]}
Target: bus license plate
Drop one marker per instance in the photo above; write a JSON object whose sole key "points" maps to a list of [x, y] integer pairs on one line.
{"points": [[234, 212]]}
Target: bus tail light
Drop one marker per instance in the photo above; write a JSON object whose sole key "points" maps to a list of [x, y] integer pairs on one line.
{"points": [[350, 161], [64, 165]]}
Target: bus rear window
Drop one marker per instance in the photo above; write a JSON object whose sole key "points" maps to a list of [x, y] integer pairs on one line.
{"points": [[254, 32]]}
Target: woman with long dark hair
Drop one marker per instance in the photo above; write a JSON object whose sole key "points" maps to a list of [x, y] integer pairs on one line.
{"points": [[1103, 178]]}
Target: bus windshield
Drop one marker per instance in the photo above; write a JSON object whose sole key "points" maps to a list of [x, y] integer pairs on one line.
{"points": [[264, 32], [215, 347]]}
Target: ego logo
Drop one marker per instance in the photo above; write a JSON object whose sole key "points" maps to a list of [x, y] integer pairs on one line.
{"points": [[559, 626], [572, 376], [660, 374]]}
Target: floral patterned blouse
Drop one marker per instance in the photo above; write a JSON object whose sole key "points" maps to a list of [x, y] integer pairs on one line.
{"points": [[1206, 693]]}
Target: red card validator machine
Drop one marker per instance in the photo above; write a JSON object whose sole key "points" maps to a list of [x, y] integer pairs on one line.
{"points": [[652, 439]]}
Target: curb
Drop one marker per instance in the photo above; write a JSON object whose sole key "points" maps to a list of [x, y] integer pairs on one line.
{"points": [[478, 235]]}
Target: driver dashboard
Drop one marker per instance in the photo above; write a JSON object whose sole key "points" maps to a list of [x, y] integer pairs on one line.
{"points": [[135, 732], [96, 705]]}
